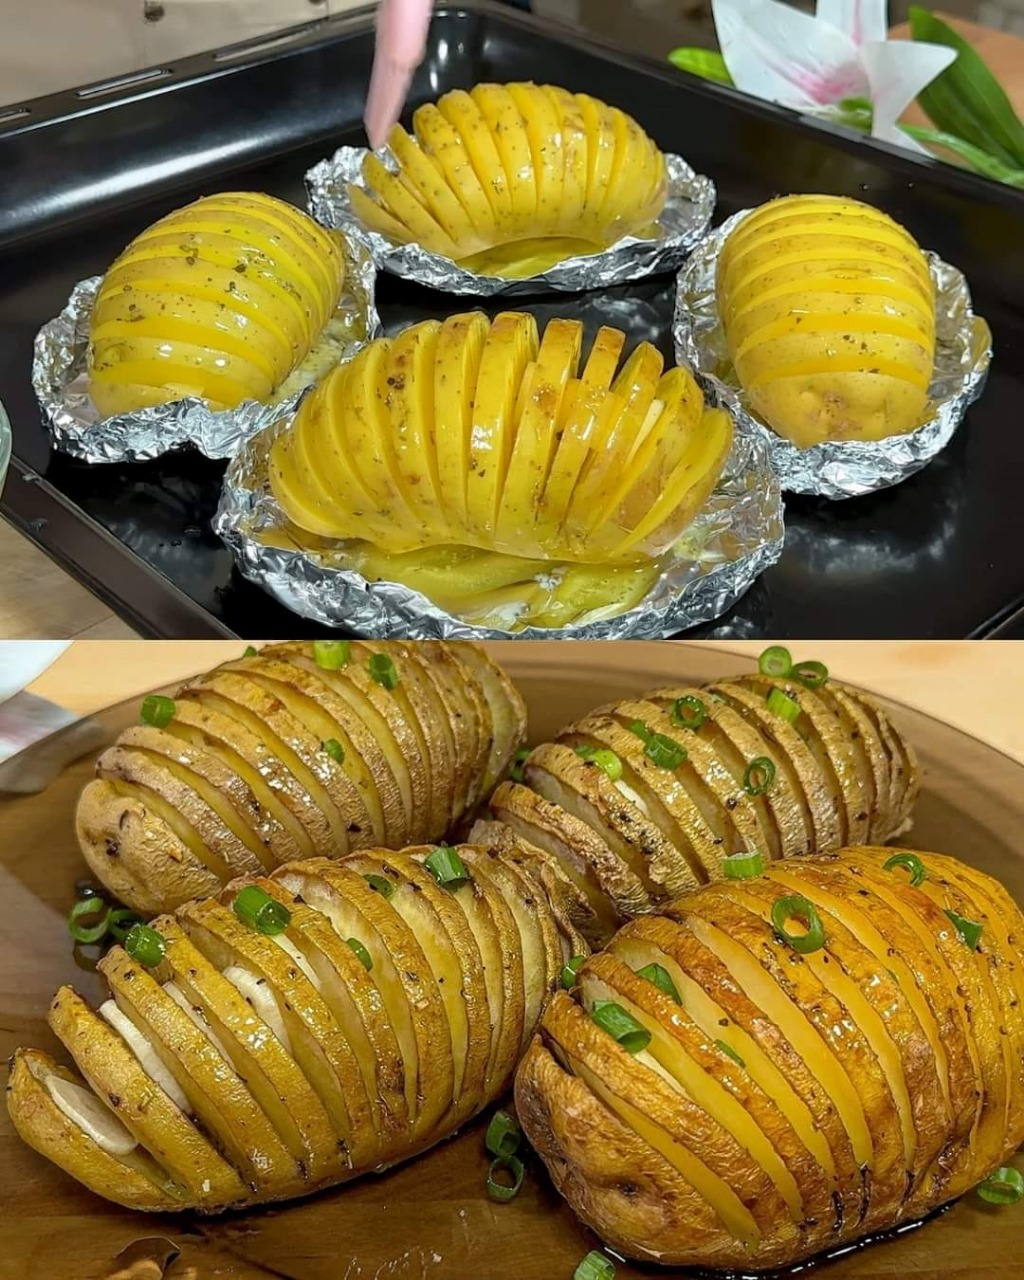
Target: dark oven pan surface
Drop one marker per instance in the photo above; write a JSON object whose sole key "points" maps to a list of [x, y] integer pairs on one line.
{"points": [[938, 556]]}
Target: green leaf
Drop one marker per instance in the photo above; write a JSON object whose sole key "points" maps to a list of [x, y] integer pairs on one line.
{"points": [[856, 113], [966, 100], [978, 159], [706, 63]]}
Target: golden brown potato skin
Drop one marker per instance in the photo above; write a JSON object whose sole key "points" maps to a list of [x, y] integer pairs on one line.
{"points": [[239, 782], [843, 774], [827, 1095], [376, 1064]]}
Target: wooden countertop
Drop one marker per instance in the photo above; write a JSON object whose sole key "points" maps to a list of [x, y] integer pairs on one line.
{"points": [[977, 687]]}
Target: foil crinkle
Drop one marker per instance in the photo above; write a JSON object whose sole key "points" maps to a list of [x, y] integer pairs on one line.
{"points": [[735, 538], [838, 468], [686, 217], [60, 379]]}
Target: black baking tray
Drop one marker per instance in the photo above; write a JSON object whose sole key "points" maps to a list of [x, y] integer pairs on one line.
{"points": [[82, 172]]}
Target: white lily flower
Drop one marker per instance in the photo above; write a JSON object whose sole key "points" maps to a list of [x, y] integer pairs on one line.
{"points": [[779, 54]]}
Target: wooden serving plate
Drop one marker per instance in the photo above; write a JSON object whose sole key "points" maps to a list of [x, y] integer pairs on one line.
{"points": [[431, 1219]]}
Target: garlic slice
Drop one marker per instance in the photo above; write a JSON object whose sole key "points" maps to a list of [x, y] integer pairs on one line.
{"points": [[259, 994], [93, 1117], [149, 1059]]}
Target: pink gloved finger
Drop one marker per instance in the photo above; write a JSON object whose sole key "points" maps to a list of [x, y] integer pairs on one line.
{"points": [[402, 27]]}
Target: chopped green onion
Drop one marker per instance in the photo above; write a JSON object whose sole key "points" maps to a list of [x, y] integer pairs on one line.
{"points": [[335, 750], [603, 758], [730, 1052], [145, 945], [380, 885], [688, 712], [658, 747], [781, 704], [503, 1135], [332, 655], [775, 661], [572, 968], [595, 1266], [1005, 1186], [743, 866], [620, 1025], [362, 955], [797, 907], [759, 776], [660, 978], [918, 874], [157, 710], [89, 908], [447, 868], [521, 757], [503, 1192], [384, 671], [256, 908], [250, 651], [121, 922], [812, 675], [969, 930]]}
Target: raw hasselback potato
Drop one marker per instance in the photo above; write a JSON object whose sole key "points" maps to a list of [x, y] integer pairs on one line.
{"points": [[221, 300], [249, 1053], [636, 807], [297, 751], [510, 179], [489, 435], [828, 307], [819, 1053]]}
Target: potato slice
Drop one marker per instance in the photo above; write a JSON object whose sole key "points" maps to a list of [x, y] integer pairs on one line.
{"points": [[823, 1030], [403, 207], [812, 787], [315, 1040], [455, 136], [576, 918], [705, 1075], [134, 1180], [507, 712], [134, 852], [219, 1099], [180, 806], [511, 345], [437, 919], [535, 443], [356, 1003], [655, 1113], [541, 120], [213, 784], [401, 973], [332, 796], [464, 711], [460, 348], [144, 1107], [363, 786], [273, 1077], [431, 188], [505, 121]]}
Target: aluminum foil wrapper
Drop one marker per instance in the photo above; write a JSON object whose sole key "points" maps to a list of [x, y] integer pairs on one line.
{"points": [[61, 382], [736, 536], [687, 216], [840, 468]]}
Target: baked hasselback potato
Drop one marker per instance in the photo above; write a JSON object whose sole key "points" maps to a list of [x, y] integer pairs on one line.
{"points": [[828, 307], [821, 1052], [641, 800], [489, 435], [221, 300], [298, 750], [298, 1030], [509, 179]]}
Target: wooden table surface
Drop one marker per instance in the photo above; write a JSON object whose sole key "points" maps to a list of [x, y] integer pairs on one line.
{"points": [[976, 687]]}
